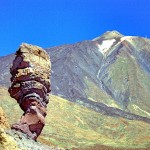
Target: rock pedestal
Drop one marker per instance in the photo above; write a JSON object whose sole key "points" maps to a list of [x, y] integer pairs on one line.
{"points": [[30, 87]]}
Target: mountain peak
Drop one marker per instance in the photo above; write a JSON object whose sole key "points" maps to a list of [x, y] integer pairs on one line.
{"points": [[109, 35]]}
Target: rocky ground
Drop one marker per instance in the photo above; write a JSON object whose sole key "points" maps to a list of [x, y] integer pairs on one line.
{"points": [[15, 140], [25, 143]]}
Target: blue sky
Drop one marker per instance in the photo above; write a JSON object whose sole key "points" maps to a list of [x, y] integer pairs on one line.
{"points": [[48, 23]]}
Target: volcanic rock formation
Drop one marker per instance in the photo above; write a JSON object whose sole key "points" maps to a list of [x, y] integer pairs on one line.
{"points": [[30, 87]]}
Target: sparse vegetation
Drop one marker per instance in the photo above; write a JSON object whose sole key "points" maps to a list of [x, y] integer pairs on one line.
{"points": [[70, 125]]}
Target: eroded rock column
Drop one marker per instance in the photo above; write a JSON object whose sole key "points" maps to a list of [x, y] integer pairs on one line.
{"points": [[30, 87]]}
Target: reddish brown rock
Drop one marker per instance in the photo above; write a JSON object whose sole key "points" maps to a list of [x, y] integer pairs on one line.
{"points": [[30, 87]]}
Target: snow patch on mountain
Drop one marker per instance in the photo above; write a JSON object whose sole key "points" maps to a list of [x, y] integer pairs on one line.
{"points": [[105, 45]]}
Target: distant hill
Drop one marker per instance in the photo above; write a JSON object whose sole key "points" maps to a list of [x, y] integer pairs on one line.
{"points": [[110, 76]]}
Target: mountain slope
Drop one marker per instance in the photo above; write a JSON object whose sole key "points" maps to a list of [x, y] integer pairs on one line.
{"points": [[70, 125]]}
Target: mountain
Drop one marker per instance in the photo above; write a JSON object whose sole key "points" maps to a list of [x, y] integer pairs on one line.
{"points": [[113, 70], [100, 93]]}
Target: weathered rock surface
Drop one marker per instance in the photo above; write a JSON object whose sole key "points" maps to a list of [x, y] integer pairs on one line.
{"points": [[6, 142], [3, 120], [30, 87]]}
